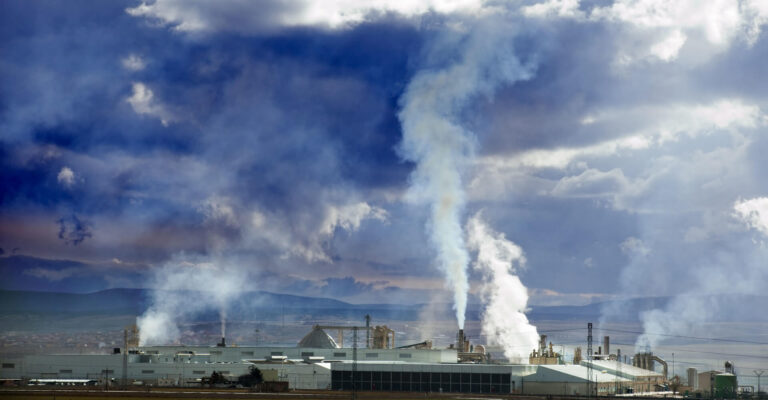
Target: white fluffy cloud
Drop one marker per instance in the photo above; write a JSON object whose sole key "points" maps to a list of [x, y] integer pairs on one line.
{"points": [[754, 213], [203, 16], [66, 177], [658, 29], [133, 62], [143, 101], [647, 128], [308, 242]]}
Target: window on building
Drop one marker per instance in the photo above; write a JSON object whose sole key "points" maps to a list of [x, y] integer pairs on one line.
{"points": [[198, 372], [371, 355], [307, 354], [340, 355], [107, 371], [405, 355], [147, 371], [65, 371], [277, 353], [247, 353], [9, 365]]}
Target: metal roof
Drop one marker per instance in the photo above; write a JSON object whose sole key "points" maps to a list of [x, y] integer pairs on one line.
{"points": [[317, 338], [626, 369], [571, 373]]}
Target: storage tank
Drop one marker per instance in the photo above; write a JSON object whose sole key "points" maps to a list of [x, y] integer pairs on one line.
{"points": [[726, 386]]}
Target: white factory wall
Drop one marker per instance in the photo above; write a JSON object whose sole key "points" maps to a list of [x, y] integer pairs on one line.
{"points": [[155, 371], [234, 354]]}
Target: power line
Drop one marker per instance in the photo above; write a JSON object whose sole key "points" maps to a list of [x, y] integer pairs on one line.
{"points": [[707, 352], [686, 337]]}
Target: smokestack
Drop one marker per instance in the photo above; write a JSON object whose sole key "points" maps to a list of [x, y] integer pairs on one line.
{"points": [[460, 341], [368, 331], [607, 344]]}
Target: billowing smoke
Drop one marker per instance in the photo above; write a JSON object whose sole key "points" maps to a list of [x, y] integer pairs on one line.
{"points": [[223, 320], [434, 138], [720, 289], [498, 259], [185, 289]]}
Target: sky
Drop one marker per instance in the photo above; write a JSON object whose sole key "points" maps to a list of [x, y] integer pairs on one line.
{"points": [[270, 145]]}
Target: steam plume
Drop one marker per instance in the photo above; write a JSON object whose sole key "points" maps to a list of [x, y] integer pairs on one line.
{"points": [[435, 140], [505, 297], [223, 319], [187, 288], [720, 288]]}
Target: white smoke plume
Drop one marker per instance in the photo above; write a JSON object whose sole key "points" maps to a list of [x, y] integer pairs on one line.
{"points": [[441, 147], [506, 298], [186, 288], [717, 287]]}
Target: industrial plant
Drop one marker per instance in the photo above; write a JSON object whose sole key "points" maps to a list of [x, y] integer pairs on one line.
{"points": [[374, 361]]}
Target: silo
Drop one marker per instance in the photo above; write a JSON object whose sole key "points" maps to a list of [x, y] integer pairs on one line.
{"points": [[693, 378]]}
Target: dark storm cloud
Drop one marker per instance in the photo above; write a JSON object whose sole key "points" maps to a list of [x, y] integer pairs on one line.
{"points": [[73, 230], [268, 140]]}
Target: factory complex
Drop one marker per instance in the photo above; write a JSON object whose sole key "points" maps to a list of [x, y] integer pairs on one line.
{"points": [[318, 362]]}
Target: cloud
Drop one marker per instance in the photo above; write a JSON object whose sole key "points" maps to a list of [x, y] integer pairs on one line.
{"points": [[133, 62], [669, 48], [247, 17], [309, 241], [754, 213], [66, 177], [344, 287], [633, 246], [53, 275], [143, 102], [593, 183], [349, 216], [73, 230], [657, 30]]}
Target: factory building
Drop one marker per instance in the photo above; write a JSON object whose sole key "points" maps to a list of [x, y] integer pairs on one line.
{"points": [[319, 363], [636, 379]]}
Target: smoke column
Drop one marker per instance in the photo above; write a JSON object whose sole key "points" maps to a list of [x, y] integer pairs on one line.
{"points": [[223, 319], [721, 287], [434, 139], [505, 297], [184, 289]]}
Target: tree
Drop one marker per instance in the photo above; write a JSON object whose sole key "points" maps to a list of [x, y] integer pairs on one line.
{"points": [[252, 378], [217, 378]]}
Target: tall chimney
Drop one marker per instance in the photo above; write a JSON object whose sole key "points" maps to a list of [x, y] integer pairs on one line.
{"points": [[607, 344], [460, 339]]}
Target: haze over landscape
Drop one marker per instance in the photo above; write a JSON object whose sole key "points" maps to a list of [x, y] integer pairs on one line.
{"points": [[508, 167]]}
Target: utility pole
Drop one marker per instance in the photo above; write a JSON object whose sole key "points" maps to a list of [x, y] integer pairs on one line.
{"points": [[673, 366], [589, 359], [125, 359], [354, 363], [758, 374], [619, 389]]}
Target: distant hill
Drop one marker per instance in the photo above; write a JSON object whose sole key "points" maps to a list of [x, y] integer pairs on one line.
{"points": [[265, 306]]}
